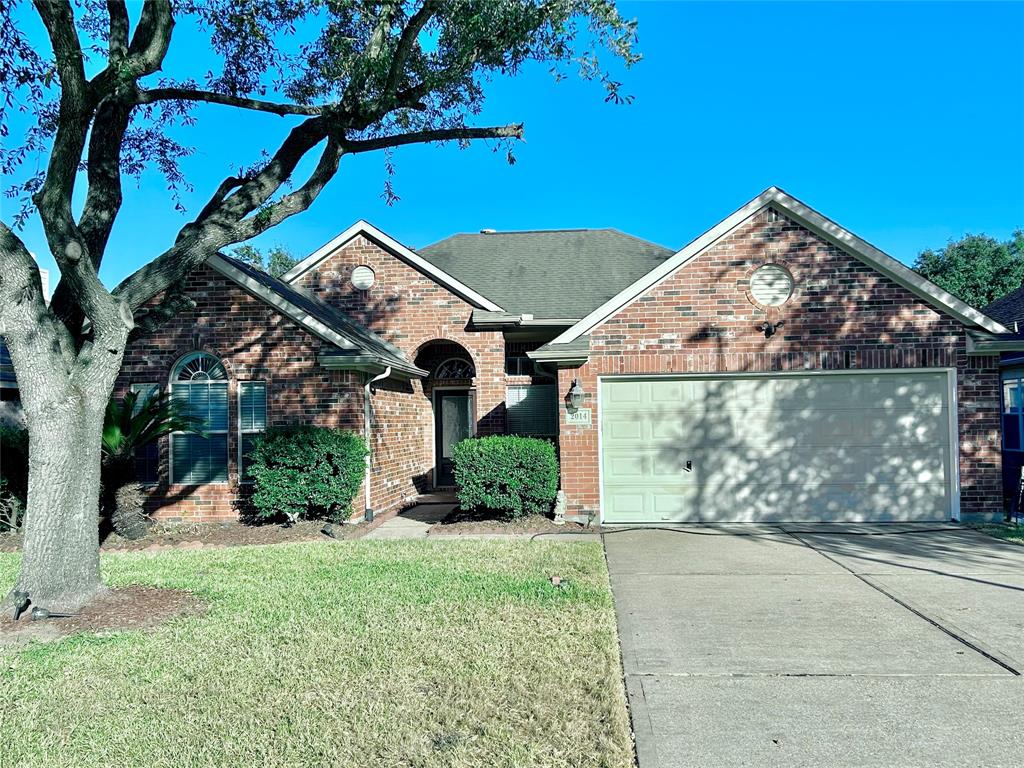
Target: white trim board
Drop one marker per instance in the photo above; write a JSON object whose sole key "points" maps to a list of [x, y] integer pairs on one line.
{"points": [[952, 408], [815, 222], [407, 255]]}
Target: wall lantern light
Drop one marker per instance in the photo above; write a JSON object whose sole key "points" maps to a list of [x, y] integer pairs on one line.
{"points": [[574, 397]]}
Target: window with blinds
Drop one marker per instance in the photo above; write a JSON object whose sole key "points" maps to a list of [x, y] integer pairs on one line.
{"points": [[252, 421], [147, 457], [532, 410], [200, 386]]}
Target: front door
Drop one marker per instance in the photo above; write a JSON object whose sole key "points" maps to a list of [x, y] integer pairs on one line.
{"points": [[453, 421]]}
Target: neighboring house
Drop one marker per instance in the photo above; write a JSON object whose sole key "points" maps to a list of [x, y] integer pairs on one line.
{"points": [[776, 368], [1009, 310]]}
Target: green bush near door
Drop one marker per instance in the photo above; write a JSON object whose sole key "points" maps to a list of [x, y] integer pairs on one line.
{"points": [[513, 476], [306, 472]]}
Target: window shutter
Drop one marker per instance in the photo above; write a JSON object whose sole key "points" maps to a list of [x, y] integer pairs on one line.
{"points": [[252, 406], [532, 410], [252, 420], [147, 457]]}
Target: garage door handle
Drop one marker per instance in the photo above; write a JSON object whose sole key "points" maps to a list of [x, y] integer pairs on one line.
{"points": [[689, 466]]}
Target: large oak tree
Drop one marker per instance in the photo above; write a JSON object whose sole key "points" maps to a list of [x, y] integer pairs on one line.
{"points": [[348, 76]]}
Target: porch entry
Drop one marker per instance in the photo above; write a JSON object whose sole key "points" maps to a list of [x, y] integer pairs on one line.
{"points": [[453, 421]]}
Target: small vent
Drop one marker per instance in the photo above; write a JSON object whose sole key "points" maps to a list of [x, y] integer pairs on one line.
{"points": [[771, 285]]}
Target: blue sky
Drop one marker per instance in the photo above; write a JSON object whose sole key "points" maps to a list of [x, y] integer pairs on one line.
{"points": [[903, 122]]}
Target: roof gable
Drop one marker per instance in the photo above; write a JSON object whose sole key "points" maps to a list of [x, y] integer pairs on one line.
{"points": [[401, 252], [315, 316], [816, 223], [538, 272]]}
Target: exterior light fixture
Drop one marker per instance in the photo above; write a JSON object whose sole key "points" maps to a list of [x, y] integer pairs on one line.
{"points": [[769, 328], [574, 397]]}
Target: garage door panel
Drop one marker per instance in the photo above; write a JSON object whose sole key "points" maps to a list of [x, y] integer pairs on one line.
{"points": [[828, 447], [875, 427], [759, 502]]}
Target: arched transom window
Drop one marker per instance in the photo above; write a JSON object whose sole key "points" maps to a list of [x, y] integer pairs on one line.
{"points": [[455, 368]]}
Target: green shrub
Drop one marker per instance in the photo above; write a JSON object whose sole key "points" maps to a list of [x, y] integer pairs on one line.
{"points": [[306, 472], [514, 476]]}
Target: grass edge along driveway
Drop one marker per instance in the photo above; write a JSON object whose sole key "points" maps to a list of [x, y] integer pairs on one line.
{"points": [[389, 653]]}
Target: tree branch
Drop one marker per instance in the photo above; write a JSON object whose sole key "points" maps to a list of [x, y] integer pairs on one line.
{"points": [[117, 44], [152, 37], [407, 40], [293, 202], [211, 97], [511, 131], [32, 325]]}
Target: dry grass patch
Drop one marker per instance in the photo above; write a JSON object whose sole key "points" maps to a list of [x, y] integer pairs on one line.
{"points": [[337, 654]]}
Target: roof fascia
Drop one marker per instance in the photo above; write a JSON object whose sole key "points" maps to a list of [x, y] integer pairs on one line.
{"points": [[402, 252], [814, 221]]}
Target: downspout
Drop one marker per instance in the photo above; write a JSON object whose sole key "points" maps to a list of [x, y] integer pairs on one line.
{"points": [[367, 434]]}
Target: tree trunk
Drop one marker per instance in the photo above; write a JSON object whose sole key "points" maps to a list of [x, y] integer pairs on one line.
{"points": [[60, 567]]}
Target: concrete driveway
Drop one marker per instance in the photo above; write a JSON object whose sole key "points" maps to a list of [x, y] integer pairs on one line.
{"points": [[821, 645]]}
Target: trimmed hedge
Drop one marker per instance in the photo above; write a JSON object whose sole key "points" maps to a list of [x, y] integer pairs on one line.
{"points": [[514, 476], [306, 472]]}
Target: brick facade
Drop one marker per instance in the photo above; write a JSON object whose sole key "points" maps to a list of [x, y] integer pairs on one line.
{"points": [[843, 315], [254, 343]]}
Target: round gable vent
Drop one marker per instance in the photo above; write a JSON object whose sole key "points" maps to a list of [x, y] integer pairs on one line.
{"points": [[771, 285], [362, 278]]}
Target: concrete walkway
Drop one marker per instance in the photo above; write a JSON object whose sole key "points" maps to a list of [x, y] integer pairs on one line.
{"points": [[821, 649], [413, 523]]}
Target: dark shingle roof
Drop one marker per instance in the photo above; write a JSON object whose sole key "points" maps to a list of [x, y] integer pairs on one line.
{"points": [[1009, 309], [563, 273], [333, 318]]}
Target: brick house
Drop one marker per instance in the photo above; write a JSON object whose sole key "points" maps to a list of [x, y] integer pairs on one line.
{"points": [[776, 368]]}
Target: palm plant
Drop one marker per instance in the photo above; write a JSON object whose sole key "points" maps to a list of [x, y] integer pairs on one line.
{"points": [[128, 425]]}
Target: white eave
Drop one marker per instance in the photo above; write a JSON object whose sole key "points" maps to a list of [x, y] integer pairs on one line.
{"points": [[407, 255], [815, 222]]}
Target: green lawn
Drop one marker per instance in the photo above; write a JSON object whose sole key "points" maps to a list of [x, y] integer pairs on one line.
{"points": [[355, 654], [1014, 533]]}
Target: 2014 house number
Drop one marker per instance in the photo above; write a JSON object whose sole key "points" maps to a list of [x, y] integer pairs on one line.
{"points": [[580, 417]]}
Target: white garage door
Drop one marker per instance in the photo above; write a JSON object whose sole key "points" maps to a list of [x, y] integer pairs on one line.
{"points": [[826, 447]]}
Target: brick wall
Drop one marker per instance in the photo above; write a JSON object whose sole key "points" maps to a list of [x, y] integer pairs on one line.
{"points": [[254, 343], [425, 321], [843, 315]]}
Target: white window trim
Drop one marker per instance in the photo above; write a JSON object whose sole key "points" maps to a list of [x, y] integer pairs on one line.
{"points": [[241, 432]]}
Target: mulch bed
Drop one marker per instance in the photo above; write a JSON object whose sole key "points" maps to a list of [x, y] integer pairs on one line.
{"points": [[460, 522], [114, 610], [199, 535]]}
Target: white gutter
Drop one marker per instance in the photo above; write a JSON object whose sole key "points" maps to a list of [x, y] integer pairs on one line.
{"points": [[367, 433]]}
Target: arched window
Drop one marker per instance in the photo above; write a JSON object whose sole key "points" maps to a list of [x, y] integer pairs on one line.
{"points": [[455, 368], [199, 384]]}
